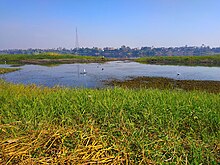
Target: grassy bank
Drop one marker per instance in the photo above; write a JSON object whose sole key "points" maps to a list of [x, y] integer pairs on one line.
{"points": [[7, 70], [108, 126], [53, 58], [47, 58], [213, 60]]}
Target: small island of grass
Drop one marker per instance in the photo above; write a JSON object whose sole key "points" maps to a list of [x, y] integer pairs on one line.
{"points": [[7, 70], [211, 60]]}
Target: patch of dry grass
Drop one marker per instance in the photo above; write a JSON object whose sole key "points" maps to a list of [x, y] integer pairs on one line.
{"points": [[60, 146]]}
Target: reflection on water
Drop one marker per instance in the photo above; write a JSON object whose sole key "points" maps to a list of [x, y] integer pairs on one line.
{"points": [[92, 75]]}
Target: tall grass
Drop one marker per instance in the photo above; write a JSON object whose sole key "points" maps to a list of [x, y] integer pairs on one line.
{"points": [[108, 126]]}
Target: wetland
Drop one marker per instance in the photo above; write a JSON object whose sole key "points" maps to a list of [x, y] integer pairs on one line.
{"points": [[122, 73], [117, 112]]}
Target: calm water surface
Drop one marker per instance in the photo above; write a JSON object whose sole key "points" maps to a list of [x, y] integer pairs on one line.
{"points": [[71, 74]]}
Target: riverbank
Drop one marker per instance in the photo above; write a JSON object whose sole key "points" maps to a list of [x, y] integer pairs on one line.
{"points": [[166, 83], [53, 58], [212, 60], [49, 58], [107, 126]]}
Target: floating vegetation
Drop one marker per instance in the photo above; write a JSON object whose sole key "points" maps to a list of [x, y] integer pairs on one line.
{"points": [[40, 125], [166, 83]]}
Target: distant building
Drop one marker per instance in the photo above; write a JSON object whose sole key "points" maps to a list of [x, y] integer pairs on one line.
{"points": [[109, 48]]}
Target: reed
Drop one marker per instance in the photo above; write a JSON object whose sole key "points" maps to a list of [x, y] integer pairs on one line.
{"points": [[107, 126]]}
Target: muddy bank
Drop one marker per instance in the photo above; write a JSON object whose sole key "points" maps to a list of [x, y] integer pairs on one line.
{"points": [[166, 83]]}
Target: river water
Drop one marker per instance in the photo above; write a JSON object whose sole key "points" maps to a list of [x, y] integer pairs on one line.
{"points": [[72, 75]]}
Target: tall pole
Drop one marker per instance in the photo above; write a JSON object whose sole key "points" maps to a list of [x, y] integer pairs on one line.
{"points": [[77, 41]]}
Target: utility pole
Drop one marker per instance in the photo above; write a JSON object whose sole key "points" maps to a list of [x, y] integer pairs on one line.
{"points": [[77, 41]]}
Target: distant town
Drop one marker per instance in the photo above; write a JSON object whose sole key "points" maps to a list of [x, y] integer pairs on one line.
{"points": [[124, 51]]}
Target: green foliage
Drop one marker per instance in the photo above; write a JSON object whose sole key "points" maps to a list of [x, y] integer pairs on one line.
{"points": [[145, 126]]}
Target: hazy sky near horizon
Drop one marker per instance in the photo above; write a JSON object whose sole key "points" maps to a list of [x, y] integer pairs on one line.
{"points": [[108, 23]]}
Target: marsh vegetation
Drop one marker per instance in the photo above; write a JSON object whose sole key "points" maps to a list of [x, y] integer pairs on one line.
{"points": [[212, 60], [166, 83], [108, 126], [140, 120], [48, 58], [7, 70], [55, 58]]}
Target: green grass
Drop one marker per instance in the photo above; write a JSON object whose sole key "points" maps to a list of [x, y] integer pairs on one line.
{"points": [[212, 60], [112, 126], [17, 59]]}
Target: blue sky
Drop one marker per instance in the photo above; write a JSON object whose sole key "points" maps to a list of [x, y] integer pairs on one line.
{"points": [[108, 23]]}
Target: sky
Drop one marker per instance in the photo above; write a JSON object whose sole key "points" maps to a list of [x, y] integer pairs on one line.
{"points": [[108, 23]]}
